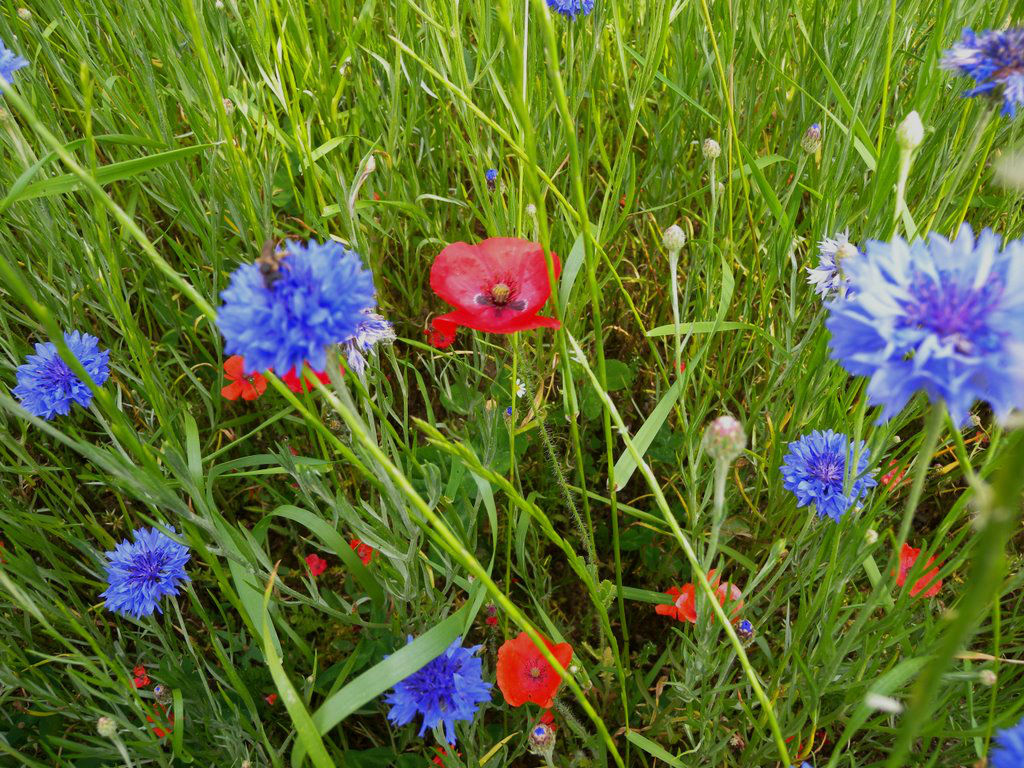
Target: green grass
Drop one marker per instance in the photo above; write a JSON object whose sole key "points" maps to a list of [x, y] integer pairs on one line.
{"points": [[132, 189]]}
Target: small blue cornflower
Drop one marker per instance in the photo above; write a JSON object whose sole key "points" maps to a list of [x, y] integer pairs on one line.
{"points": [[828, 278], [10, 62], [285, 316], [447, 689], [1009, 748], [939, 317], [47, 386], [814, 469], [995, 60], [373, 330], [491, 175], [142, 571], [571, 8]]}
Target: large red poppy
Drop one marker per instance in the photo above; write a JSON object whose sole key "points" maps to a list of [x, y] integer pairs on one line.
{"points": [[497, 286], [929, 583], [524, 675], [246, 387], [684, 605]]}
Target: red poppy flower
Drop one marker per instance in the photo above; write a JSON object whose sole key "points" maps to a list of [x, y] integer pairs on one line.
{"points": [[441, 753], [365, 551], [684, 607], [139, 676], [929, 583], [441, 333], [548, 719], [241, 386], [893, 477], [300, 385], [525, 675], [270, 698], [497, 286], [317, 564], [166, 718]]}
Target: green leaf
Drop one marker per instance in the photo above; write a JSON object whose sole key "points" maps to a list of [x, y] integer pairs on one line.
{"points": [[654, 750], [626, 465], [618, 374], [570, 270]]}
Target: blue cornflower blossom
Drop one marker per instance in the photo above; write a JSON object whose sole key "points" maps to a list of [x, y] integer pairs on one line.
{"points": [[10, 62], [814, 469], [1009, 748], [995, 59], [142, 571], [491, 175], [940, 317], [282, 319], [373, 330], [828, 278], [571, 8], [447, 689], [47, 386]]}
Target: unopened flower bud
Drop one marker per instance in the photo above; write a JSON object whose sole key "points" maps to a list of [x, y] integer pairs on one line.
{"points": [[811, 142], [870, 536], [542, 740], [229, 106], [987, 677], [106, 728], [910, 133], [24, 14], [673, 239], [724, 439], [882, 703], [219, 5], [711, 149], [531, 209]]}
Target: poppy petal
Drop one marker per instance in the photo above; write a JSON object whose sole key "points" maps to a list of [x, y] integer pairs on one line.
{"points": [[233, 391], [507, 322], [233, 367]]}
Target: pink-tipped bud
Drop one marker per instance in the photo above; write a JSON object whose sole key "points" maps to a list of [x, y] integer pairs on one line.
{"points": [[724, 439]]}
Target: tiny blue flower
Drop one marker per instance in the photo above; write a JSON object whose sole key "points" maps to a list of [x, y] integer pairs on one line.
{"points": [[491, 175], [814, 469], [373, 330], [571, 8], [995, 60], [141, 572], [828, 278], [449, 688], [10, 62], [939, 317], [745, 630], [1009, 748], [47, 386], [317, 297]]}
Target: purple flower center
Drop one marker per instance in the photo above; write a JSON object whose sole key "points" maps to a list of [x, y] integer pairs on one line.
{"points": [[148, 567], [501, 296], [957, 314], [828, 470]]}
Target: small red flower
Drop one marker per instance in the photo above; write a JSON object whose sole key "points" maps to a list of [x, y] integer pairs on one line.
{"points": [[441, 753], [297, 385], [270, 698], [684, 607], [496, 286], [491, 621], [929, 583], [317, 564], [241, 386], [365, 551], [166, 718], [893, 477], [441, 333], [139, 676], [548, 719], [524, 675], [3, 560]]}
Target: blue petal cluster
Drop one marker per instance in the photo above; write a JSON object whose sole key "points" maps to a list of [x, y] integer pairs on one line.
{"points": [[447, 689], [316, 298], [10, 62], [940, 317], [814, 469], [828, 278], [373, 330], [571, 8], [995, 60], [1009, 748], [141, 572], [47, 386]]}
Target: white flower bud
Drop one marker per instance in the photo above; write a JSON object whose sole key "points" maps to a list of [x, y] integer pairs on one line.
{"points": [[531, 209], [711, 149], [106, 728], [870, 536], [987, 677], [724, 439], [910, 133], [882, 703], [24, 14], [673, 239]]}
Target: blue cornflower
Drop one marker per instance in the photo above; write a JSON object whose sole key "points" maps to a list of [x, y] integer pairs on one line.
{"points": [[571, 8], [141, 572], [373, 329], [491, 175], [10, 62], [1009, 748], [447, 689], [47, 386], [828, 278], [814, 469], [284, 318], [940, 317], [995, 59]]}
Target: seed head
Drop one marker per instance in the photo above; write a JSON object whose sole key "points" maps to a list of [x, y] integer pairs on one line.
{"points": [[673, 239], [711, 149]]}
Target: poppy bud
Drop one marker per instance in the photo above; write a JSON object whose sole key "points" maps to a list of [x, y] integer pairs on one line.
{"points": [[811, 142], [910, 133], [673, 239], [711, 149], [724, 439], [106, 728]]}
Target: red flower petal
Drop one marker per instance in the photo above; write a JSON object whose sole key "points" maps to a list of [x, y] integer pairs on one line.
{"points": [[365, 551], [317, 564], [929, 583], [292, 381], [496, 286], [233, 367], [683, 608], [524, 675], [232, 391], [270, 698], [441, 333]]}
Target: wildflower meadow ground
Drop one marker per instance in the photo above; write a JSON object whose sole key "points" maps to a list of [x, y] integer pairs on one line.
{"points": [[574, 383]]}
